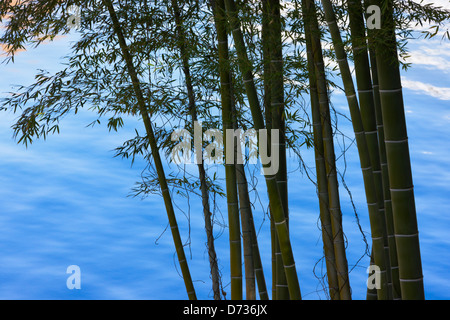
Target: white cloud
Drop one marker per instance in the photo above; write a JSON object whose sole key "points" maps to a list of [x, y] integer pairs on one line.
{"points": [[442, 93]]}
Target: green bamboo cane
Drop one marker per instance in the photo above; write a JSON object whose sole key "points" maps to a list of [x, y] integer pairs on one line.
{"points": [[272, 26], [230, 169], [265, 35], [386, 184], [378, 226], [398, 157], [330, 158], [268, 117], [155, 152], [252, 257], [215, 277], [322, 180], [368, 115], [248, 228], [244, 207], [246, 213], [276, 204]]}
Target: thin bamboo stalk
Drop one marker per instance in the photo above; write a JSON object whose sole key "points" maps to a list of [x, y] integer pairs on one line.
{"points": [[246, 214], [276, 204], [230, 169], [155, 152], [268, 117], [214, 269], [252, 257], [322, 180], [330, 158]]}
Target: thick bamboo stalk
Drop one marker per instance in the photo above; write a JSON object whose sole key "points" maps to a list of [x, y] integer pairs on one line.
{"points": [[230, 169], [268, 117], [276, 204], [155, 152], [376, 220], [214, 269], [272, 26], [330, 158], [398, 157], [322, 180], [368, 116], [386, 184]]}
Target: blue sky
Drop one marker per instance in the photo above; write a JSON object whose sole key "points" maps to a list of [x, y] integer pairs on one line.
{"points": [[65, 201]]}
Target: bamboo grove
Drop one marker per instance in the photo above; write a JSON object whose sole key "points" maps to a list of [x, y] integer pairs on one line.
{"points": [[263, 65]]}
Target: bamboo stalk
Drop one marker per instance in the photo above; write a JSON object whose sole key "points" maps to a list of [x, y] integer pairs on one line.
{"points": [[272, 25], [398, 157], [268, 117], [214, 269], [376, 220], [276, 204], [386, 184], [330, 158], [368, 116], [322, 180], [252, 257], [230, 169], [155, 152]]}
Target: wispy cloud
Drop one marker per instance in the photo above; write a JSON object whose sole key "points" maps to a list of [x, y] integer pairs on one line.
{"points": [[442, 93]]}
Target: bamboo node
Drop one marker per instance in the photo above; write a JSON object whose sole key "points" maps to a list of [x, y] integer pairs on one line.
{"points": [[406, 235], [400, 190], [390, 91], [412, 280], [396, 141]]}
